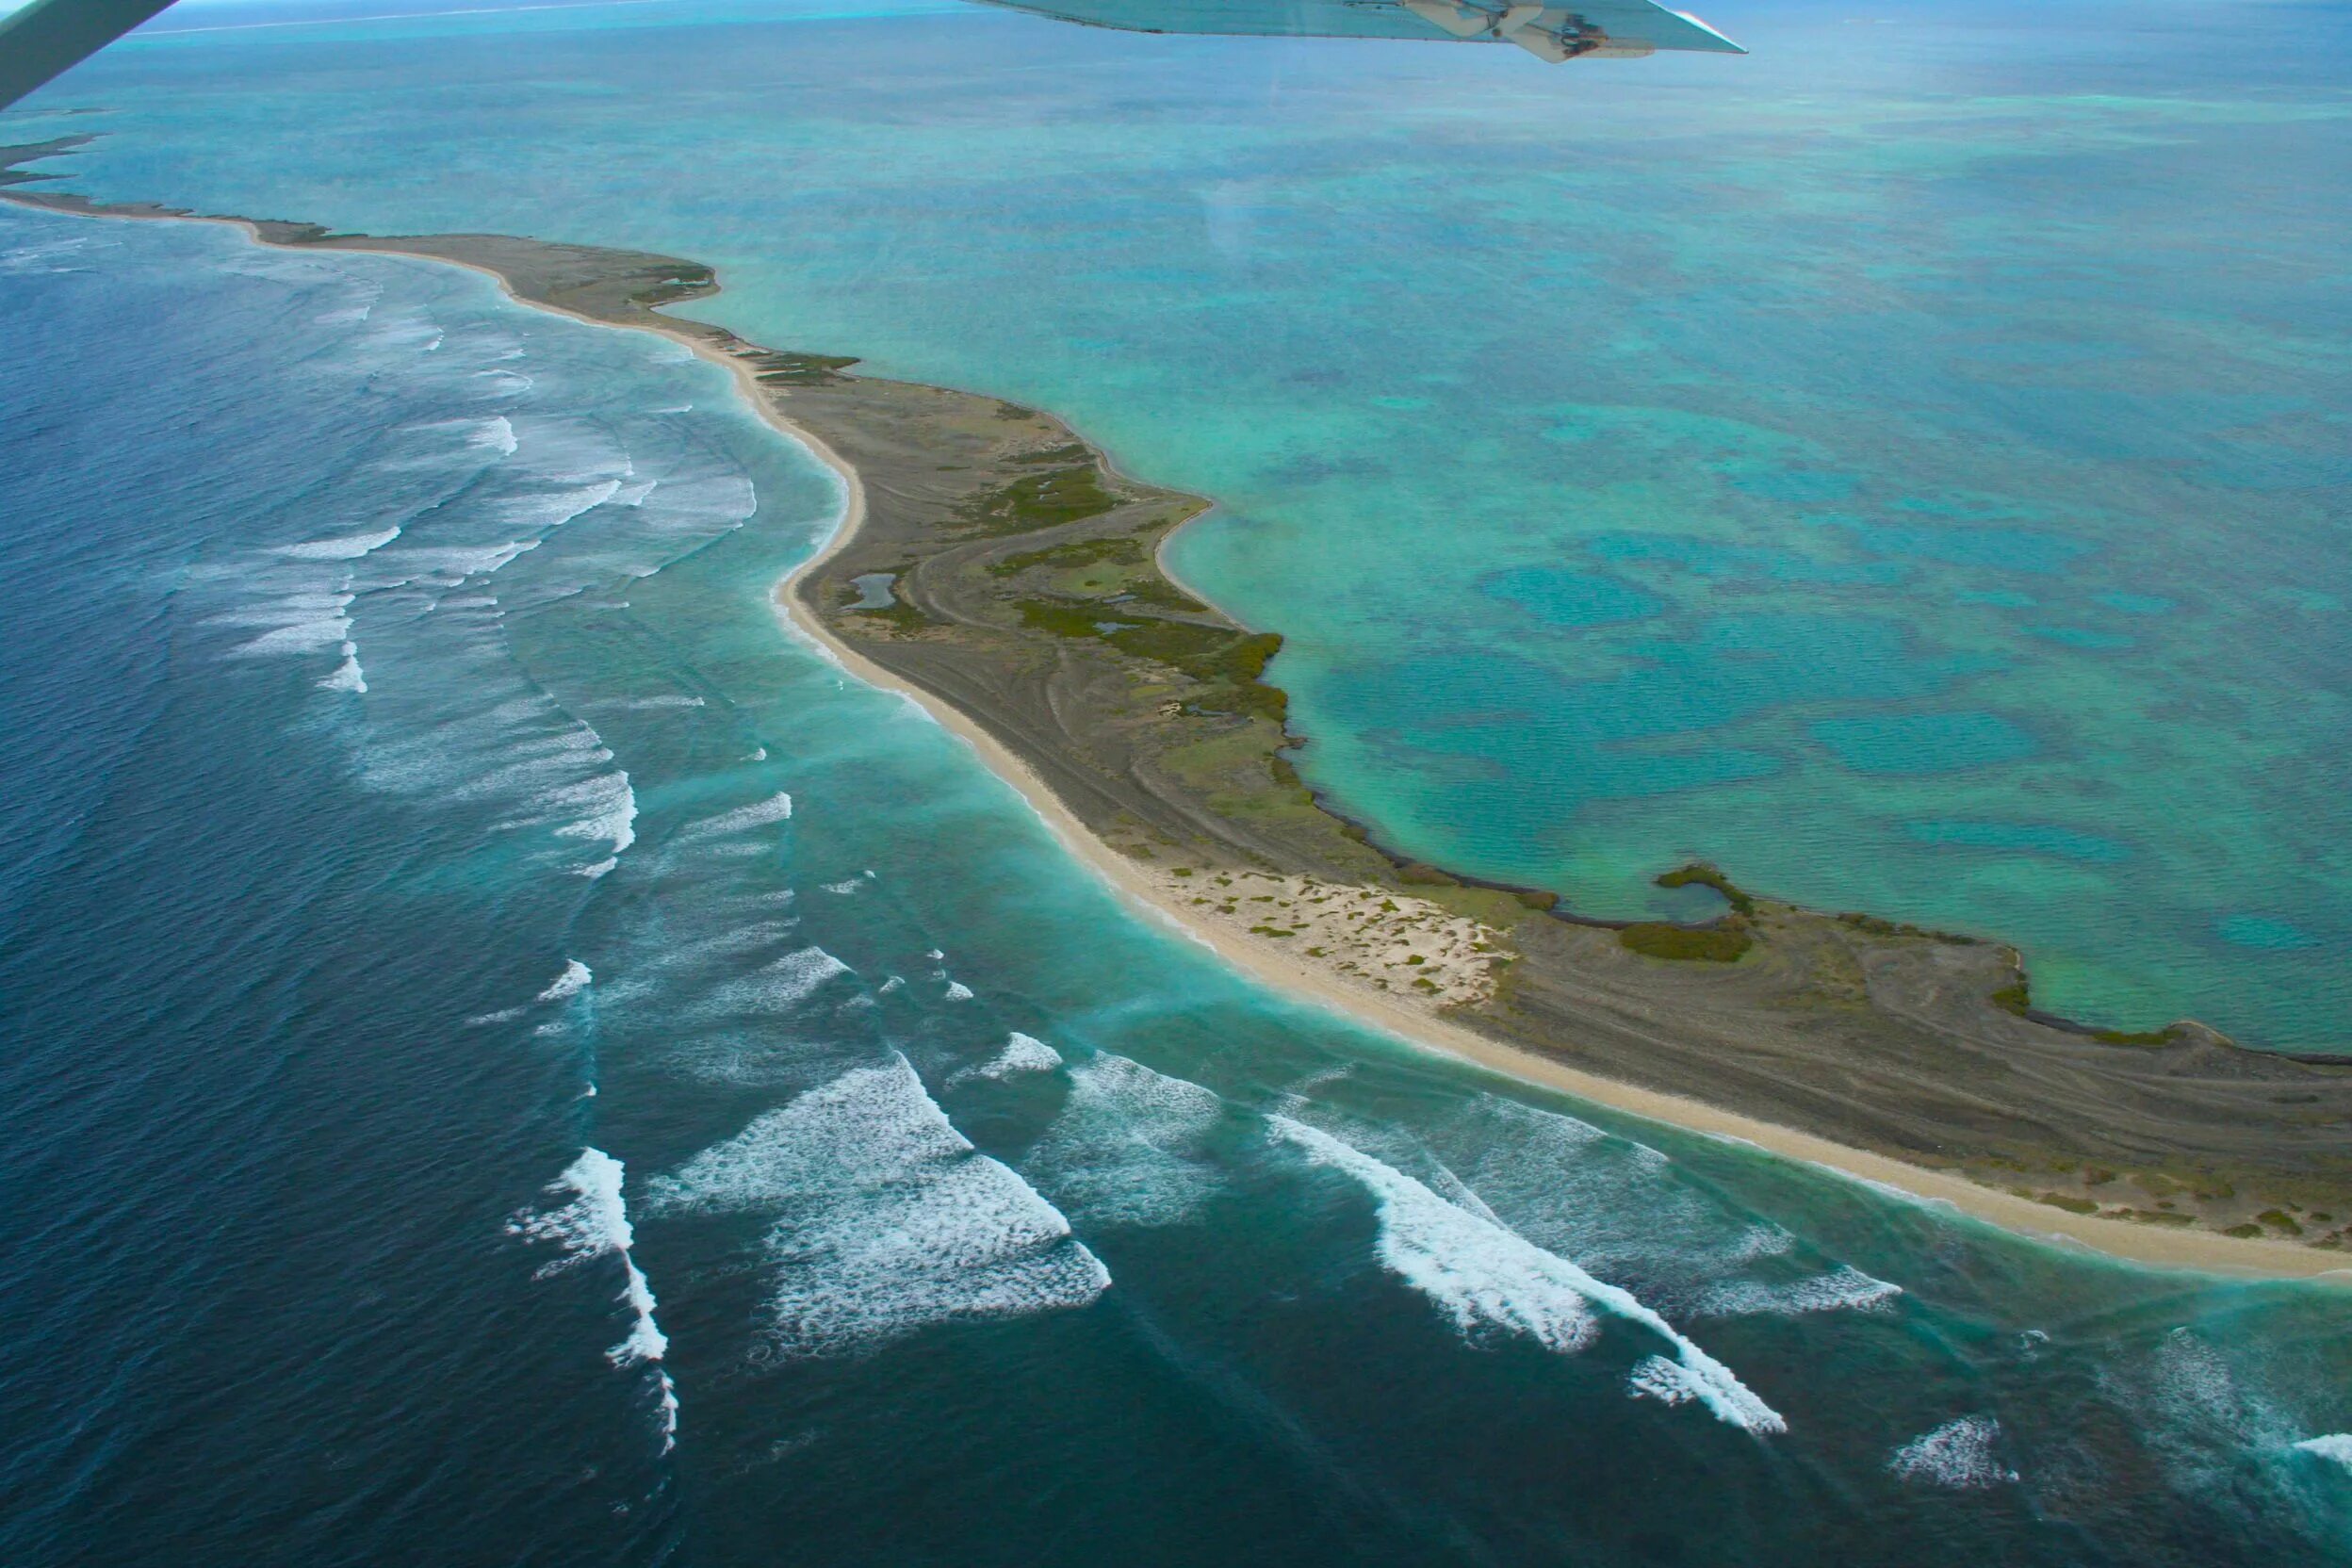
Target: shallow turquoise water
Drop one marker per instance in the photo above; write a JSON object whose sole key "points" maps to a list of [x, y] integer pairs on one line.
{"points": [[1875, 464]]}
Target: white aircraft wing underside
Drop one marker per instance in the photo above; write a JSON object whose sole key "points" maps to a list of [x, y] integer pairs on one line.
{"points": [[1599, 28]]}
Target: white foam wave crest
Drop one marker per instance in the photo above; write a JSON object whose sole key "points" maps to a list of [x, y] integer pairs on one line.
{"points": [[303, 637], [35, 259], [417, 332], [553, 509], [704, 953], [1958, 1454], [549, 769], [667, 1412], [777, 807], [1021, 1054], [351, 546], [574, 980], [2336, 1447], [777, 987], [1126, 1147], [454, 563], [594, 1223], [1480, 1275], [609, 803], [2195, 1405], [1845, 1288], [890, 1219], [1488, 1279], [348, 676], [298, 607], [299, 623], [711, 502], [495, 434], [363, 297], [1622, 1207], [956, 991]]}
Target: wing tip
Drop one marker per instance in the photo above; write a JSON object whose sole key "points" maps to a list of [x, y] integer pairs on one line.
{"points": [[1729, 46]]}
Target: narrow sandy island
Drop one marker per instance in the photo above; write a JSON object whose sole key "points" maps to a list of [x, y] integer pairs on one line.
{"points": [[995, 568]]}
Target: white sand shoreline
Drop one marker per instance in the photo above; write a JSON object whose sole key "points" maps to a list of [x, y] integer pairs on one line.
{"points": [[2120, 1240]]}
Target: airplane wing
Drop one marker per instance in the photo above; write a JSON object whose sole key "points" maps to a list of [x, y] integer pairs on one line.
{"points": [[46, 37], [1598, 28]]}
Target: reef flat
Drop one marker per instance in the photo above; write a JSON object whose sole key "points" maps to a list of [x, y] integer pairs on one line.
{"points": [[996, 561]]}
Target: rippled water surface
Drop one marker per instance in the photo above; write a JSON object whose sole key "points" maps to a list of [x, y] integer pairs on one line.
{"points": [[513, 1059], [506, 1055]]}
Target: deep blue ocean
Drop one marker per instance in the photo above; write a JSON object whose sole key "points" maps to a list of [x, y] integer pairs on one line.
{"points": [[509, 1056]]}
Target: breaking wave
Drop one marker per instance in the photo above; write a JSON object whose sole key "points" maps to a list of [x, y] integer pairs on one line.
{"points": [[348, 676], [349, 548], [775, 987], [573, 980], [1125, 1149], [496, 433], [764, 813], [1021, 1054], [2334, 1445], [888, 1218], [1845, 1288], [611, 805], [1488, 1279], [594, 1223], [1958, 1454]]}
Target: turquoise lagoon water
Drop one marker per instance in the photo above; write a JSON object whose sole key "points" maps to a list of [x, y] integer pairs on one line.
{"points": [[1907, 465], [510, 1057]]}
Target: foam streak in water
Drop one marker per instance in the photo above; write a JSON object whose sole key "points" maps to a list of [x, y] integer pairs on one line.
{"points": [[779, 986], [348, 676], [889, 1219], [1958, 1454], [2334, 1445], [777, 807], [1125, 1149], [1021, 1054], [1487, 1277], [573, 980], [594, 1223], [349, 547], [1845, 1288]]}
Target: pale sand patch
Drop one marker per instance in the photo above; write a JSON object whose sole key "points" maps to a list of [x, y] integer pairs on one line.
{"points": [[1375, 939]]}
